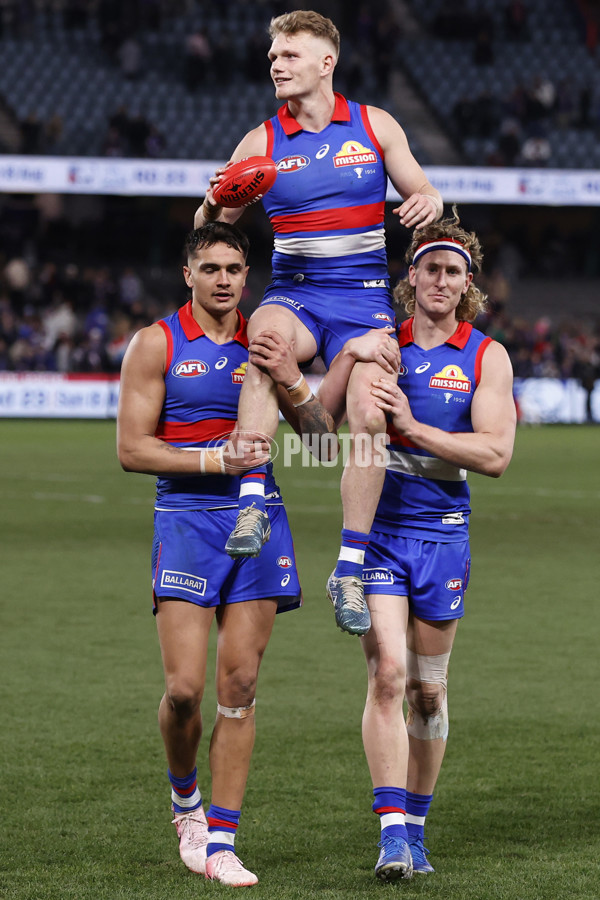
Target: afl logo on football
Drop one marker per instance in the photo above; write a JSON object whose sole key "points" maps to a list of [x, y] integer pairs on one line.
{"points": [[284, 562], [191, 368], [382, 317], [454, 584], [292, 163]]}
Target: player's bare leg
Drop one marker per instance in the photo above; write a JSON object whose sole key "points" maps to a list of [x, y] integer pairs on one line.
{"points": [[362, 481], [244, 631], [183, 630], [258, 412], [429, 647], [384, 731]]}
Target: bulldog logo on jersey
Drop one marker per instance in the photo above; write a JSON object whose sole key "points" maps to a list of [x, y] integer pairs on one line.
{"points": [[190, 368], [353, 153], [238, 375], [451, 378]]}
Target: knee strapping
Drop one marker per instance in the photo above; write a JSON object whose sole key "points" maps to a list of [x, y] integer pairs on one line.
{"points": [[431, 670], [236, 712]]}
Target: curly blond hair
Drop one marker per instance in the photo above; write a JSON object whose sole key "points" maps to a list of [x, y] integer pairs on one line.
{"points": [[473, 301], [306, 20]]}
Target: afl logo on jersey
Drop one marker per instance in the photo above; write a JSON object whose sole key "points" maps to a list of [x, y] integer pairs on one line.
{"points": [[191, 368], [382, 317], [284, 562], [454, 584], [403, 371], [292, 163]]}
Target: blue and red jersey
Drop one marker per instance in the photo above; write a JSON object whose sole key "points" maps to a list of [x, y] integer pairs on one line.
{"points": [[328, 202], [423, 496], [202, 381]]}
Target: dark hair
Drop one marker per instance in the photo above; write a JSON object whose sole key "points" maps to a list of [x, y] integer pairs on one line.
{"points": [[216, 233]]}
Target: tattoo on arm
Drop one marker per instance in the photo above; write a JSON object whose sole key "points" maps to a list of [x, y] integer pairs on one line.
{"points": [[313, 418]]}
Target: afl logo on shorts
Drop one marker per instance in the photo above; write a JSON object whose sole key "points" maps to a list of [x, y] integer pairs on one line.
{"points": [[383, 317], [292, 163], [284, 562], [454, 584], [191, 368]]}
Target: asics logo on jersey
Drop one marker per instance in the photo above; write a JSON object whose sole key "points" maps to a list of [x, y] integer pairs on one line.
{"points": [[190, 368], [352, 154], [422, 368], [284, 562], [454, 584], [322, 151], [221, 363], [292, 163]]}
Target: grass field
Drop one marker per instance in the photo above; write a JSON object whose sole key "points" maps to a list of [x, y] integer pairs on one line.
{"points": [[85, 800]]}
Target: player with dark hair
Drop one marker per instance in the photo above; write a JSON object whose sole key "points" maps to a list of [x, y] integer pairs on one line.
{"points": [[330, 278], [451, 411], [180, 386]]}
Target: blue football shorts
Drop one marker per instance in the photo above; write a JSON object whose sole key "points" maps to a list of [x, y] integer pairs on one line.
{"points": [[432, 575], [333, 315], [189, 560]]}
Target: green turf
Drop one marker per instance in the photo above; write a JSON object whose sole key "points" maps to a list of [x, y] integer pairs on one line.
{"points": [[85, 802]]}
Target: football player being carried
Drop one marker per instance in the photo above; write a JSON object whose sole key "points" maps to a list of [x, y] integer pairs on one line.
{"points": [[330, 279], [450, 411]]}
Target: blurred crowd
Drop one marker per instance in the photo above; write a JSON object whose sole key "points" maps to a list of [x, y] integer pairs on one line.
{"points": [[67, 318]]}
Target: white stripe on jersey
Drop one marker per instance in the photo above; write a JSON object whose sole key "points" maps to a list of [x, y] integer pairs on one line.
{"points": [[332, 245], [425, 467]]}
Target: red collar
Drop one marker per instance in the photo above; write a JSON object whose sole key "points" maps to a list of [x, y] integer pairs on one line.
{"points": [[458, 339], [341, 113], [192, 330]]}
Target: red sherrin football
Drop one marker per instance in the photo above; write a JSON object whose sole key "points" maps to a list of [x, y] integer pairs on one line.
{"points": [[244, 180]]}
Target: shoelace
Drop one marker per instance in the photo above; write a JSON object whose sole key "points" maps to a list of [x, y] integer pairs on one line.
{"points": [[228, 862], [195, 837], [353, 596], [247, 521], [420, 846], [390, 843]]}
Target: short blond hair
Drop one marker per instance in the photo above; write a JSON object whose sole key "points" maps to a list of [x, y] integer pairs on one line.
{"points": [[306, 20], [473, 301]]}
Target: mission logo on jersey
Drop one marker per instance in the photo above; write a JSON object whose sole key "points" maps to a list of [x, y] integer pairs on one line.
{"points": [[451, 378], [190, 368], [238, 375], [353, 153]]}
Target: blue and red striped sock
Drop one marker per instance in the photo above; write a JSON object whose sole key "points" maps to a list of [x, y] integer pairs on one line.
{"points": [[252, 488], [417, 807], [185, 795], [222, 826], [390, 806], [352, 553]]}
